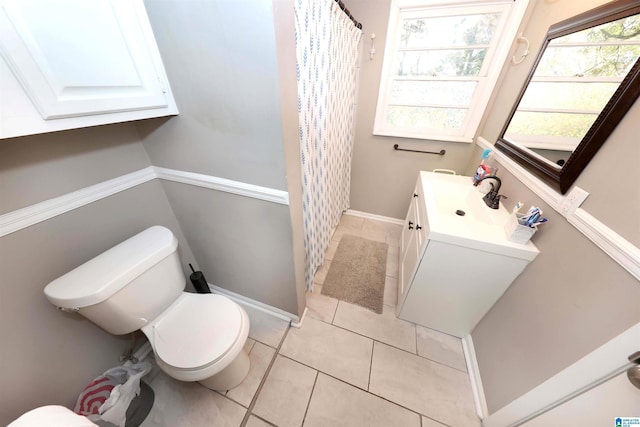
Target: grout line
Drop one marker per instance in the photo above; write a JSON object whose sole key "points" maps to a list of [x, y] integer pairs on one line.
{"points": [[315, 381], [247, 415], [373, 346], [263, 420], [333, 318], [318, 372], [391, 345]]}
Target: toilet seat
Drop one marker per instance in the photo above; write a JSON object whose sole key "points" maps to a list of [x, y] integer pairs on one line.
{"points": [[198, 335]]}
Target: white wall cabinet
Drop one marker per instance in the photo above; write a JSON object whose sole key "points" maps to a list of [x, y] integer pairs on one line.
{"points": [[449, 276], [77, 63]]}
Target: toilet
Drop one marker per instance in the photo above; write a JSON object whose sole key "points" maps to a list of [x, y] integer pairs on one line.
{"points": [[139, 284]]}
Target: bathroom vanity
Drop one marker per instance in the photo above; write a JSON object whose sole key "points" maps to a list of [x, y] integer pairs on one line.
{"points": [[455, 259]]}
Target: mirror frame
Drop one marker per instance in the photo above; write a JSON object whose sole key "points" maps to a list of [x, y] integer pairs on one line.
{"points": [[561, 178]]}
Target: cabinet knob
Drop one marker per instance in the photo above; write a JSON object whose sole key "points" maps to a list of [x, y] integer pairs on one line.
{"points": [[410, 225], [415, 194], [418, 227]]}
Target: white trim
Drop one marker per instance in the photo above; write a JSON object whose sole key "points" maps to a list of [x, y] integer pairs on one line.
{"points": [[617, 247], [621, 250], [273, 311], [511, 16], [13, 221], [474, 376], [299, 324], [374, 216], [22, 218], [592, 370], [222, 184]]}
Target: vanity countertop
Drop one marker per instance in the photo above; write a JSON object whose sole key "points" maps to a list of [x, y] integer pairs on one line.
{"points": [[480, 228]]}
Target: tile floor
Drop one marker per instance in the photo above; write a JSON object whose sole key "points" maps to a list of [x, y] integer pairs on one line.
{"points": [[346, 366]]}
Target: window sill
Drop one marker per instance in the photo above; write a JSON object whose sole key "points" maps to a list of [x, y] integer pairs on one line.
{"points": [[443, 138]]}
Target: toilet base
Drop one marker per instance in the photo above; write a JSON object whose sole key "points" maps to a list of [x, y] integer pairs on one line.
{"points": [[231, 376]]}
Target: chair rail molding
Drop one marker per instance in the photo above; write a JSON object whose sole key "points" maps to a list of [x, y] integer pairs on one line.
{"points": [[223, 184], [617, 247], [19, 219], [22, 218]]}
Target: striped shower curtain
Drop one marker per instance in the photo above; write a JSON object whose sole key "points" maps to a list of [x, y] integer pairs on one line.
{"points": [[326, 56]]}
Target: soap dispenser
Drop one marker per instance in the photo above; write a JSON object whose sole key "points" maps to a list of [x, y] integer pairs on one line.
{"points": [[487, 167]]}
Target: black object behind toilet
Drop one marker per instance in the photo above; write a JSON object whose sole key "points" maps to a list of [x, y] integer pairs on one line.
{"points": [[199, 282]]}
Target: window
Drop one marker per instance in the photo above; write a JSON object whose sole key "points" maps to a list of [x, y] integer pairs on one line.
{"points": [[441, 63], [574, 80]]}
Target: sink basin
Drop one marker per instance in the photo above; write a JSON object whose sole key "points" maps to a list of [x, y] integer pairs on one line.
{"points": [[480, 227], [451, 197]]}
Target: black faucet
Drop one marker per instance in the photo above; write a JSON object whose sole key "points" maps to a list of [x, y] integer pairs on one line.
{"points": [[492, 198]]}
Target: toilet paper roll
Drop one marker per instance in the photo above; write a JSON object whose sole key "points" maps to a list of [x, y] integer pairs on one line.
{"points": [[199, 282]]}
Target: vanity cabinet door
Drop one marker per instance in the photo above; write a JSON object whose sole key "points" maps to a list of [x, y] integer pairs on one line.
{"points": [[412, 243], [76, 58], [409, 227], [408, 265]]}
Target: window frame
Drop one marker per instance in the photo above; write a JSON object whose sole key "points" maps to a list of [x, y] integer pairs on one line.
{"points": [[495, 58]]}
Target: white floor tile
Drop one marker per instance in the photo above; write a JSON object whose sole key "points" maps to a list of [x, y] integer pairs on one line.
{"points": [[285, 394], [260, 356], [385, 327], [254, 421], [188, 404], [331, 250], [249, 345], [320, 306], [266, 328], [392, 261], [390, 291], [335, 404], [437, 391], [351, 222], [440, 347], [428, 422], [389, 229], [321, 274], [329, 349]]}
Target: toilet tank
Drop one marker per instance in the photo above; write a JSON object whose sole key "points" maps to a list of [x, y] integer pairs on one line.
{"points": [[126, 287]]}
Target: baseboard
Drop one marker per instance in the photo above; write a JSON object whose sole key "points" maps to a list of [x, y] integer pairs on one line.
{"points": [[374, 216], [474, 377], [299, 324], [242, 300]]}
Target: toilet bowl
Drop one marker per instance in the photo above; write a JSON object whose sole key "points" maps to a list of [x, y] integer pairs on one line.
{"points": [[139, 284], [212, 342]]}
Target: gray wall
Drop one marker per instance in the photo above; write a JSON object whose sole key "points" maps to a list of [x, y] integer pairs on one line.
{"points": [[573, 297], [382, 179], [222, 63], [36, 168], [49, 356]]}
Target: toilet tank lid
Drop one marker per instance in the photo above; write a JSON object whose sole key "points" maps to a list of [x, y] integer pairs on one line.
{"points": [[101, 277]]}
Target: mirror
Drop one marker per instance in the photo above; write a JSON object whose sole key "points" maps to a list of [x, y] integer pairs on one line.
{"points": [[584, 80]]}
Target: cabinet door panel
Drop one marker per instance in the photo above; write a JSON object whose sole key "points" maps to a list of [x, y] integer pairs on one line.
{"points": [[408, 266], [408, 228], [75, 57]]}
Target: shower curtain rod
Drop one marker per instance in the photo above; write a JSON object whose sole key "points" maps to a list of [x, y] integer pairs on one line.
{"points": [[346, 11]]}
